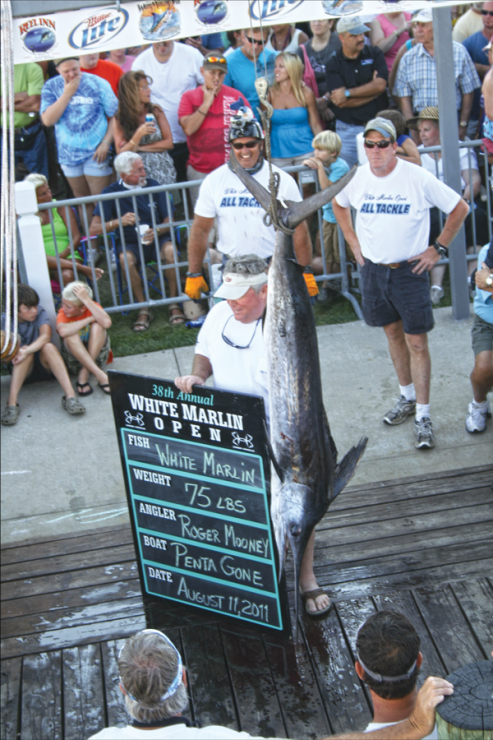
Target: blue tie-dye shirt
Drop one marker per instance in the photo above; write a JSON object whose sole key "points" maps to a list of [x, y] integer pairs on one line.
{"points": [[84, 122]]}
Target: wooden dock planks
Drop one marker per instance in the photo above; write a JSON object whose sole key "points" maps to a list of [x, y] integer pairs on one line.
{"points": [[422, 546]]}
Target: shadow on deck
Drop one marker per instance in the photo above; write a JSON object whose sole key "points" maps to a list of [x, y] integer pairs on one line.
{"points": [[420, 545]]}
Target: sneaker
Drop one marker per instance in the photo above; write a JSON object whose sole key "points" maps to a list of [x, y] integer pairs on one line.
{"points": [[436, 294], [95, 255], [10, 415], [73, 406], [113, 261], [476, 419], [424, 438], [400, 412]]}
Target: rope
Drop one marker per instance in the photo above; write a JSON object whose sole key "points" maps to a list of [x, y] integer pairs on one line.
{"points": [[271, 217], [8, 225]]}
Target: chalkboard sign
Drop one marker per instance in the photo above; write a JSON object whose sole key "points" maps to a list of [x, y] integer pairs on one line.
{"points": [[196, 470]]}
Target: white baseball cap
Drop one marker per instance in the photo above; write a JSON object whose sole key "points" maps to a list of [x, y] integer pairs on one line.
{"points": [[424, 15], [234, 286]]}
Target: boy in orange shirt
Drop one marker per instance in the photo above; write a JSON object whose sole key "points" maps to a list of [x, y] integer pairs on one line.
{"points": [[83, 325]]}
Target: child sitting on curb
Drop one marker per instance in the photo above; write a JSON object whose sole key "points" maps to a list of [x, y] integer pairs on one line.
{"points": [[83, 326], [330, 168], [37, 358]]}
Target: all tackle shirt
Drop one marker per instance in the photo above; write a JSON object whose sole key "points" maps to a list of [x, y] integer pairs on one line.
{"points": [[393, 212], [241, 229], [343, 72]]}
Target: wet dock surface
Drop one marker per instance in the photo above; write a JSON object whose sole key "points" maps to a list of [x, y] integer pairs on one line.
{"points": [[421, 545]]}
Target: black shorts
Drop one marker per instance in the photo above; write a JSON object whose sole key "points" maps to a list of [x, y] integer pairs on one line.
{"points": [[38, 372], [149, 251], [393, 294]]}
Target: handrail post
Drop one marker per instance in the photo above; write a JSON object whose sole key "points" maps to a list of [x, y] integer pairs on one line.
{"points": [[33, 250], [449, 135]]}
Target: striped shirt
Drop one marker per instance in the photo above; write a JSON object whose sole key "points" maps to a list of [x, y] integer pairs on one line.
{"points": [[417, 77]]}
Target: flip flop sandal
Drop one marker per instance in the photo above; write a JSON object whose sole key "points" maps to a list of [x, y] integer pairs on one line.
{"points": [[73, 406], [142, 325], [313, 596], [81, 391], [105, 387], [178, 318]]}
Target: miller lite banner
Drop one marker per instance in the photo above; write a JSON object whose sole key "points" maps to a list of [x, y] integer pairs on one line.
{"points": [[125, 24]]}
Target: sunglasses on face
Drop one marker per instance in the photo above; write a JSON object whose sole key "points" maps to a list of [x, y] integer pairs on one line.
{"points": [[487, 12], [380, 144], [254, 41], [248, 145], [215, 60]]}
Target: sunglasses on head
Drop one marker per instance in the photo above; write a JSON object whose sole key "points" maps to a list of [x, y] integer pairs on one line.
{"points": [[248, 145], [487, 12], [380, 144], [254, 41], [215, 60]]}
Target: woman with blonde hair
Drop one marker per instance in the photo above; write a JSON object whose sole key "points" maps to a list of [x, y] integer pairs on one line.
{"points": [[295, 120], [134, 132]]}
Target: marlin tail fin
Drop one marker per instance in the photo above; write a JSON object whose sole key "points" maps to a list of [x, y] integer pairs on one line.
{"points": [[346, 468]]}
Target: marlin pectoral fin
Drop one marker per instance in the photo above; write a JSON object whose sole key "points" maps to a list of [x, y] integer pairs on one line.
{"points": [[299, 211], [256, 189], [345, 470], [276, 465]]}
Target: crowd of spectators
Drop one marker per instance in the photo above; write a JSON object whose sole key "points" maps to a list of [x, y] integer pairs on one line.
{"points": [[170, 106]]}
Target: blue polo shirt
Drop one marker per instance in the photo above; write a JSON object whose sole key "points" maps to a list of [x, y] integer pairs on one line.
{"points": [[106, 209], [483, 300]]}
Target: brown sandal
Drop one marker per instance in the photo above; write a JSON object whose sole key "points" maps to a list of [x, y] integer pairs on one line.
{"points": [[142, 325], [178, 318], [313, 596]]}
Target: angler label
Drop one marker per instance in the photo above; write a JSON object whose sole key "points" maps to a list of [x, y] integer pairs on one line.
{"points": [[197, 476]]}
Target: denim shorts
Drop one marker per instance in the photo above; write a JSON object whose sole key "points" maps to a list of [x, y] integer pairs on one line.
{"points": [[88, 167], [396, 294], [482, 336]]}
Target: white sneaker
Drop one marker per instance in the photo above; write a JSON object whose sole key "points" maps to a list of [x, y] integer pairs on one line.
{"points": [[436, 294], [113, 261], [95, 255], [476, 419]]}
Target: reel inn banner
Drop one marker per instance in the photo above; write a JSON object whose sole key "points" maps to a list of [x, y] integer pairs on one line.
{"points": [[125, 24]]}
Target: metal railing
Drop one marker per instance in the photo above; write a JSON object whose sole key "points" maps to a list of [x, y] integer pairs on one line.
{"points": [[176, 229]]}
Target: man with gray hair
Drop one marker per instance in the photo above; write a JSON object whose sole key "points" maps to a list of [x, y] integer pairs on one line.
{"points": [[127, 225], [153, 682], [230, 344]]}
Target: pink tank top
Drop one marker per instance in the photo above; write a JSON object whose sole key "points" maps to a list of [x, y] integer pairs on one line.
{"points": [[388, 28]]}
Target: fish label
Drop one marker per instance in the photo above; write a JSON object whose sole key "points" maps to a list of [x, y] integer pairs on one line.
{"points": [[197, 479]]}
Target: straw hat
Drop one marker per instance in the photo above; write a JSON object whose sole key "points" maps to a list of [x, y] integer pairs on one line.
{"points": [[427, 114]]}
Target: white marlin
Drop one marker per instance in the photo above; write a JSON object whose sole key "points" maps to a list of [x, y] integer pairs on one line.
{"points": [[305, 475]]}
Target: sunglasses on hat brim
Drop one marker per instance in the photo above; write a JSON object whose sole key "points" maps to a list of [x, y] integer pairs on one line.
{"points": [[215, 60]]}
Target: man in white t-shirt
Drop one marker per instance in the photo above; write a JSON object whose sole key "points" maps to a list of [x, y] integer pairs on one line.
{"points": [[240, 217], [389, 659], [392, 199], [173, 68]]}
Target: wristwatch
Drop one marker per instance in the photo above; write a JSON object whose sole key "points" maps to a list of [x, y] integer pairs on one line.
{"points": [[347, 93], [442, 251], [489, 281]]}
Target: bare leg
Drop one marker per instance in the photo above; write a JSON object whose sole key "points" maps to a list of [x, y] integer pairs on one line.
{"points": [[399, 352], [52, 360], [76, 348], [167, 255], [97, 338], [482, 376], [19, 373], [95, 185], [308, 581], [420, 365], [436, 275], [81, 189]]}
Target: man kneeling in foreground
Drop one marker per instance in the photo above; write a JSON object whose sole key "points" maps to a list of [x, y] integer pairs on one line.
{"points": [[153, 682]]}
